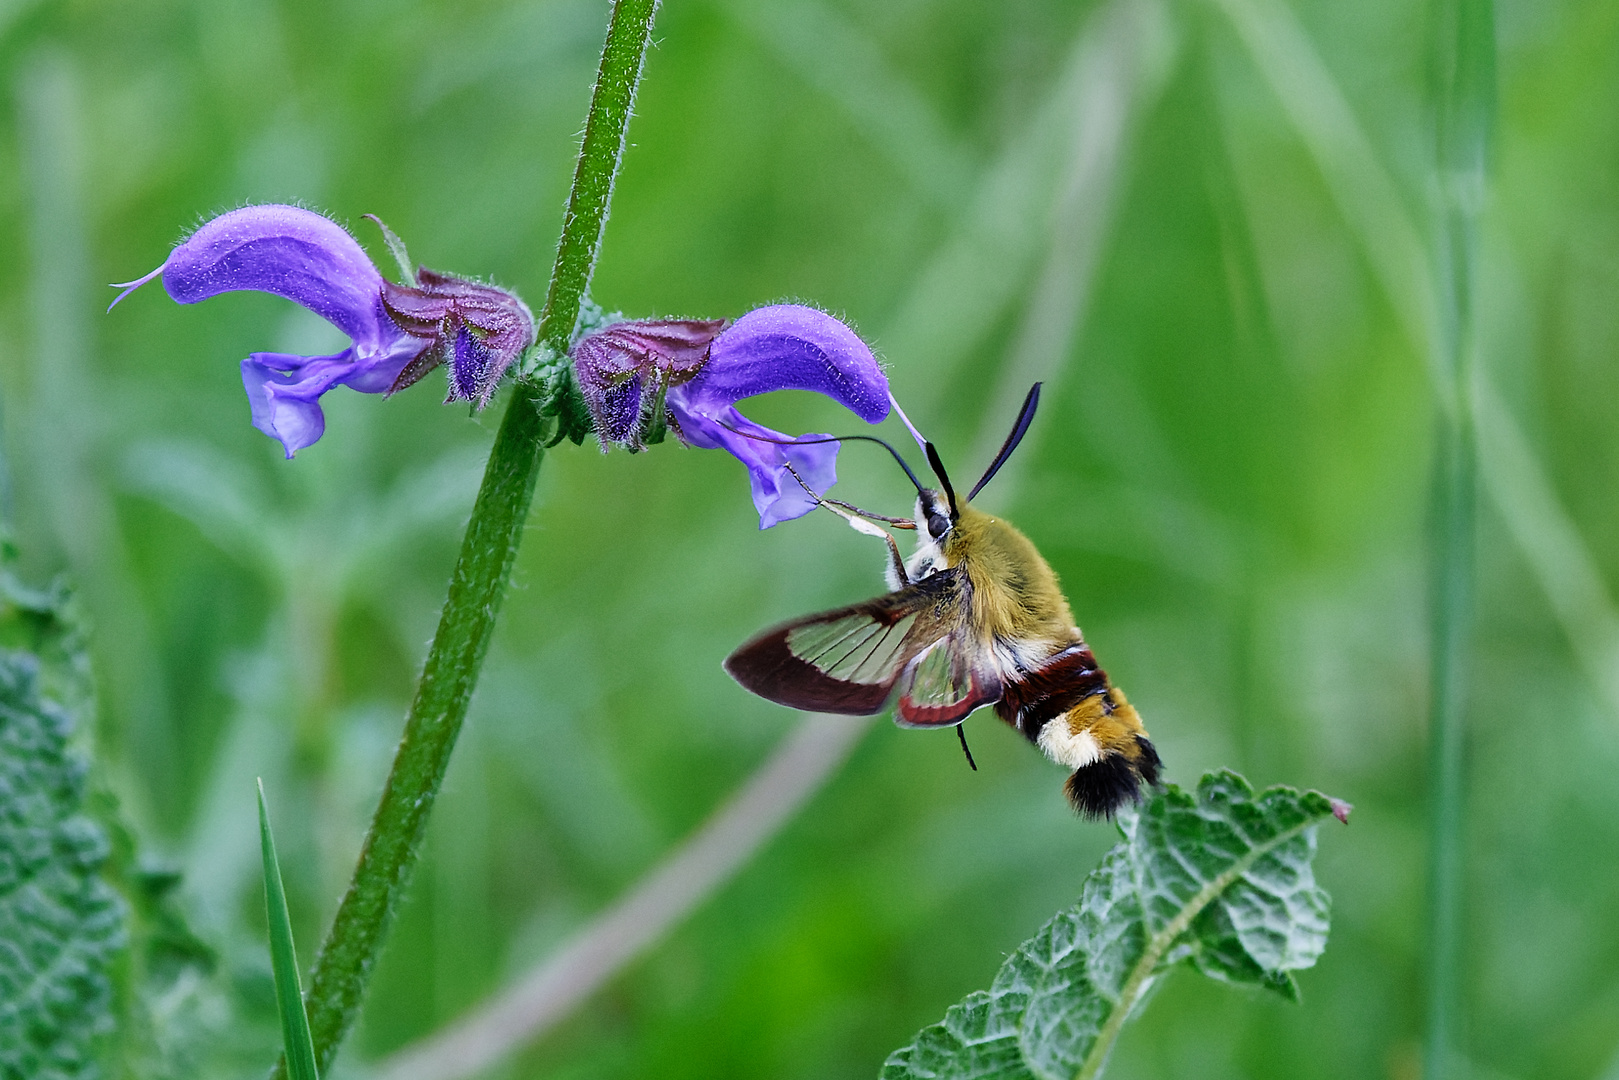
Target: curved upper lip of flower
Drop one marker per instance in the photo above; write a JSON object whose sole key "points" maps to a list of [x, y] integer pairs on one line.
{"points": [[286, 250]]}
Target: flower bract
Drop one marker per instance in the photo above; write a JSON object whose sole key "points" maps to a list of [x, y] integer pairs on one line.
{"points": [[623, 368]]}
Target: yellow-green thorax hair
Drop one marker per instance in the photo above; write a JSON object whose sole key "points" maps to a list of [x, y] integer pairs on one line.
{"points": [[1015, 593]]}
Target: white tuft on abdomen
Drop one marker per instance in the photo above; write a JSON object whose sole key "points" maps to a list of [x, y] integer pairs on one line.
{"points": [[1067, 748]]}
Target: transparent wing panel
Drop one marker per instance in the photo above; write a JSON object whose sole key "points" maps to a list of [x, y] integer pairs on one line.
{"points": [[941, 676], [856, 648]]}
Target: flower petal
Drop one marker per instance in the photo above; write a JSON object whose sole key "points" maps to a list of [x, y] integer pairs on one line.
{"points": [[376, 373], [283, 392], [791, 347], [288, 251], [782, 347], [776, 495]]}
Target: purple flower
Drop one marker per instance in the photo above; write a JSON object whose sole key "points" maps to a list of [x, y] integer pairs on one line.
{"points": [[783, 347], [310, 260]]}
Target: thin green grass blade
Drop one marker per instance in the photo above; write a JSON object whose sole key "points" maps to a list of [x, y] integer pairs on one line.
{"points": [[289, 994], [1464, 68]]}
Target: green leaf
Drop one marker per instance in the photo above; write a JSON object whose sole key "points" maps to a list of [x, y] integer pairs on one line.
{"points": [[47, 624], [1222, 881], [61, 925], [289, 994], [171, 1003]]}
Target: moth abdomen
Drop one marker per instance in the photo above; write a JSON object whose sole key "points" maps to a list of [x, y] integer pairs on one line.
{"points": [[1100, 789], [1101, 738]]}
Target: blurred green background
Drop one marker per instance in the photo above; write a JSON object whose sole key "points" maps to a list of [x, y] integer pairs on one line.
{"points": [[1205, 224]]}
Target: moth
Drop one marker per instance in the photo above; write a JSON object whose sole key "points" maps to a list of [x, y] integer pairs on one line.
{"points": [[976, 618]]}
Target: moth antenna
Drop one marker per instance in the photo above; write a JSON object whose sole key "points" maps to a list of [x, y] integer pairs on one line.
{"points": [[831, 438], [944, 481], [1025, 417], [961, 733]]}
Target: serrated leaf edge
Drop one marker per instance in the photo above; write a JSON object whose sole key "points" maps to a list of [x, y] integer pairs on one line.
{"points": [[1158, 945]]}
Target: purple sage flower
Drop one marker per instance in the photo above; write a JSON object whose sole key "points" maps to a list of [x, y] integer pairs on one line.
{"points": [[312, 261], [782, 347]]}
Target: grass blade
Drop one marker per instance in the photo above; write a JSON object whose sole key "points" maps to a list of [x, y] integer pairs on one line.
{"points": [[289, 994], [1464, 65]]}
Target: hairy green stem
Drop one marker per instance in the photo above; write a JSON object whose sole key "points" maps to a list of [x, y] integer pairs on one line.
{"points": [[1464, 55], [600, 155], [1136, 983], [347, 957], [342, 969]]}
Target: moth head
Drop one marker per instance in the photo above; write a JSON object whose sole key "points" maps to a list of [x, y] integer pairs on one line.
{"points": [[934, 519]]}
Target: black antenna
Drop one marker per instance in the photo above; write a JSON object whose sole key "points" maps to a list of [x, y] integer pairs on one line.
{"points": [[833, 438], [1025, 417], [944, 481], [961, 733]]}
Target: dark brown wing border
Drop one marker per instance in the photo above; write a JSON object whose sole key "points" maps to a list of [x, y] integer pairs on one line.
{"points": [[766, 665]]}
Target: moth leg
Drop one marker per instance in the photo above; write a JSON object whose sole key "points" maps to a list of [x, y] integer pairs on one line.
{"points": [[961, 733], [896, 566], [860, 524], [898, 523]]}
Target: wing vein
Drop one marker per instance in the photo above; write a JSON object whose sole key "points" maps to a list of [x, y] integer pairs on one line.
{"points": [[855, 647], [860, 668], [834, 643]]}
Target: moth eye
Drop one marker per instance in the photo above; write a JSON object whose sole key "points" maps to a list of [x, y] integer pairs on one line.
{"points": [[938, 525]]}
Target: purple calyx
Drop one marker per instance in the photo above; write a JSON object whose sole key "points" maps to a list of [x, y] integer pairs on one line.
{"points": [[624, 370], [478, 329]]}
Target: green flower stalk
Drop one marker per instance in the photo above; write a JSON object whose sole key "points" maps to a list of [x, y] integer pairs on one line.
{"points": [[347, 956]]}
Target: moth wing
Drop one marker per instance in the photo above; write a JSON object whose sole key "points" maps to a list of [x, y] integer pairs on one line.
{"points": [[946, 681], [848, 660]]}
